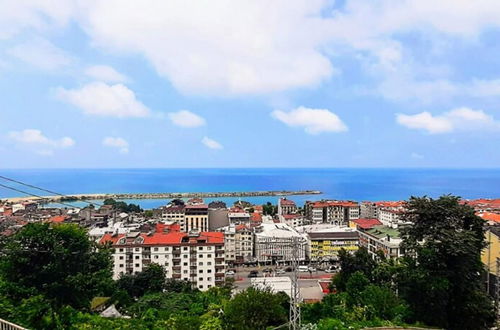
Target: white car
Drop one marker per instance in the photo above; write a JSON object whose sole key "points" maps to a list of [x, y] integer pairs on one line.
{"points": [[303, 269], [280, 271], [230, 273]]}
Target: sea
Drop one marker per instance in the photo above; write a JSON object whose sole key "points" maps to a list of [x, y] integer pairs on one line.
{"points": [[334, 183]]}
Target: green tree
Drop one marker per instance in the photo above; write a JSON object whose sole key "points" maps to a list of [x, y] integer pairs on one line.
{"points": [[443, 282], [360, 261], [255, 309], [152, 279], [58, 262]]}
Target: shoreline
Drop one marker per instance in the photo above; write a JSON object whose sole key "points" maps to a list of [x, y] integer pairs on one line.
{"points": [[120, 196]]}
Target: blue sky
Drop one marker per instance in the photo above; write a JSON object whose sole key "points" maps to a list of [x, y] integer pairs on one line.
{"points": [[350, 83]]}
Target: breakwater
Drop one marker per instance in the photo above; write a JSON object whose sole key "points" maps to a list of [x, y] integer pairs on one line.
{"points": [[171, 195]]}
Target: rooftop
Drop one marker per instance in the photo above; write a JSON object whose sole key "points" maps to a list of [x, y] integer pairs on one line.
{"points": [[384, 231], [367, 223]]}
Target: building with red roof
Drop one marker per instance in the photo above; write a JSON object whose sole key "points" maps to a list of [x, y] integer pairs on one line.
{"points": [[332, 212], [364, 223], [195, 257]]}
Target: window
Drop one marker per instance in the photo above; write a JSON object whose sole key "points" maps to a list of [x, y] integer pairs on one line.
{"points": [[121, 258], [200, 271], [200, 248], [200, 264], [137, 249], [185, 256], [209, 263], [201, 286], [121, 250], [185, 271], [185, 264], [155, 249], [200, 278], [137, 257], [209, 271], [209, 256], [156, 257], [209, 278], [137, 265], [185, 248], [121, 265]]}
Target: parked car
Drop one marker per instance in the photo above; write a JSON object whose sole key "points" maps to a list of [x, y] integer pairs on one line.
{"points": [[303, 268], [280, 272], [311, 269], [267, 270], [288, 269], [253, 273], [230, 273]]}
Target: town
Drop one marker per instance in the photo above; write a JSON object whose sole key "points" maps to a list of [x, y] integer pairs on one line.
{"points": [[207, 243]]}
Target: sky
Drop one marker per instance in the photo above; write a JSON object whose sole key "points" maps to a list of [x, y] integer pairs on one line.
{"points": [[301, 83]]}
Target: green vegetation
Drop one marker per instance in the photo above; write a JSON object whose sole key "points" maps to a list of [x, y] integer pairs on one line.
{"points": [[122, 206], [53, 277], [269, 209], [438, 283]]}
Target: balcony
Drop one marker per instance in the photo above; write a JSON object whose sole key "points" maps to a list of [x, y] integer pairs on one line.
{"points": [[177, 276], [219, 259], [176, 267]]}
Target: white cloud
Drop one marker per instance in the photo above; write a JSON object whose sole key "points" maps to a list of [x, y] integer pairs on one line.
{"points": [[456, 119], [211, 143], [36, 139], [314, 121], [105, 73], [40, 15], [116, 142], [220, 47], [186, 118], [41, 54], [105, 100]]}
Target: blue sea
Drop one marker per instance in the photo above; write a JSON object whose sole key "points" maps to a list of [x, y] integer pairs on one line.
{"points": [[352, 184]]}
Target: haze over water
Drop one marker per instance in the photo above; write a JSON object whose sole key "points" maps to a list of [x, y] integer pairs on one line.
{"points": [[353, 184]]}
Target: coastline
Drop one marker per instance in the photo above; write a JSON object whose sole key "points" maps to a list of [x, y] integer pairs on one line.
{"points": [[121, 196]]}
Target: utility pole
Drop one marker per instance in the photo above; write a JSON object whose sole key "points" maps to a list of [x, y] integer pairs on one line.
{"points": [[295, 291]]}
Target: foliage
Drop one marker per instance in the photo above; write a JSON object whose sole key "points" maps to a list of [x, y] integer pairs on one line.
{"points": [[443, 281], [269, 209], [360, 261], [255, 309], [122, 206], [57, 262], [151, 279]]}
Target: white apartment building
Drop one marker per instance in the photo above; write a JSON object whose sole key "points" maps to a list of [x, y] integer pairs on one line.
{"points": [[198, 258], [333, 212], [238, 244], [274, 243], [293, 220]]}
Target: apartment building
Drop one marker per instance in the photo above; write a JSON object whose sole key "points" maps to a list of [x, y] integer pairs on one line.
{"points": [[194, 257], [325, 245], [382, 238], [333, 212], [238, 244], [174, 213], [274, 243], [293, 220], [286, 206]]}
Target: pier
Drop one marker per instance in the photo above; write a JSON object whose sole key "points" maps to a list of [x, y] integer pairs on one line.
{"points": [[168, 195]]}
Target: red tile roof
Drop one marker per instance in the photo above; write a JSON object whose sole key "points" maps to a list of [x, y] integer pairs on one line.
{"points": [[488, 216], [284, 201], [171, 238], [367, 223], [58, 218], [256, 217]]}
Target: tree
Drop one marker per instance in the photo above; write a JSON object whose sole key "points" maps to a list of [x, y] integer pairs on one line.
{"points": [[443, 282], [150, 280], [269, 209], [255, 309], [360, 261], [57, 262]]}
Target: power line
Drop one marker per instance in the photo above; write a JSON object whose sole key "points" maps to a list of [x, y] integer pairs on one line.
{"points": [[43, 189], [33, 195]]}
